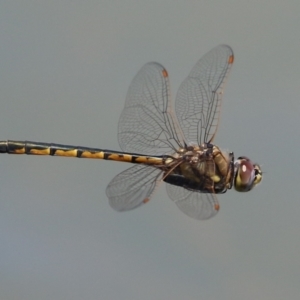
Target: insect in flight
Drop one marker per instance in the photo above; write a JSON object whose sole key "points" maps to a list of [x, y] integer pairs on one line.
{"points": [[164, 147]]}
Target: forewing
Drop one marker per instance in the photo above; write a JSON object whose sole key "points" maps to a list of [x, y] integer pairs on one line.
{"points": [[133, 187], [198, 101], [200, 206], [146, 124]]}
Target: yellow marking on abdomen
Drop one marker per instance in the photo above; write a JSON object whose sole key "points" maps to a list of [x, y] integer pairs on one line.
{"points": [[97, 155], [39, 151], [70, 153], [19, 151], [120, 157], [149, 160]]}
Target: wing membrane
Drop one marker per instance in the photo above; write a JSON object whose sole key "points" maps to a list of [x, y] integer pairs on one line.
{"points": [[146, 124], [198, 101], [200, 206], [133, 187]]}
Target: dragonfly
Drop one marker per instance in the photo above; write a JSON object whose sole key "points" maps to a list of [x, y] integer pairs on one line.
{"points": [[166, 144]]}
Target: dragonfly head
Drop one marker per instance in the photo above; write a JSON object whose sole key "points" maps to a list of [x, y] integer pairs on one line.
{"points": [[247, 174]]}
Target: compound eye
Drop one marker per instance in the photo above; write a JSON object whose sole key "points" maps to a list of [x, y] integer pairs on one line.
{"points": [[247, 175]]}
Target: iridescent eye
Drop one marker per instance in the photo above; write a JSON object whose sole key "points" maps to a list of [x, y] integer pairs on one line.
{"points": [[247, 174]]}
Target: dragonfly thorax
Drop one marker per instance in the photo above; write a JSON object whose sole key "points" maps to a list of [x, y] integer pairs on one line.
{"points": [[202, 168]]}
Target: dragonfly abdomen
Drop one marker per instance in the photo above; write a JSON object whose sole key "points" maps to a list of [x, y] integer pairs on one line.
{"points": [[36, 148]]}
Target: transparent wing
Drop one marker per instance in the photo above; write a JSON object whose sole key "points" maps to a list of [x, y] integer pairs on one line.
{"points": [[198, 101], [146, 124], [132, 187], [200, 206]]}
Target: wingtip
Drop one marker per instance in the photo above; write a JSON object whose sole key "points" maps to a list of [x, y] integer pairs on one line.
{"points": [[217, 207], [146, 200]]}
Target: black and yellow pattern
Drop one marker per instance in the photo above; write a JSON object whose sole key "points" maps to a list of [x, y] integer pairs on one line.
{"points": [[35, 148]]}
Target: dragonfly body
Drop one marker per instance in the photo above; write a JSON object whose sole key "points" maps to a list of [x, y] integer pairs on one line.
{"points": [[205, 168], [177, 149]]}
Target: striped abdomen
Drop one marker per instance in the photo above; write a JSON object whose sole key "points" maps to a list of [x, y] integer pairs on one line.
{"points": [[34, 148]]}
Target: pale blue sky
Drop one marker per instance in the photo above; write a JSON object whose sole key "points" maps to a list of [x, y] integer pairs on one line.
{"points": [[65, 70]]}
